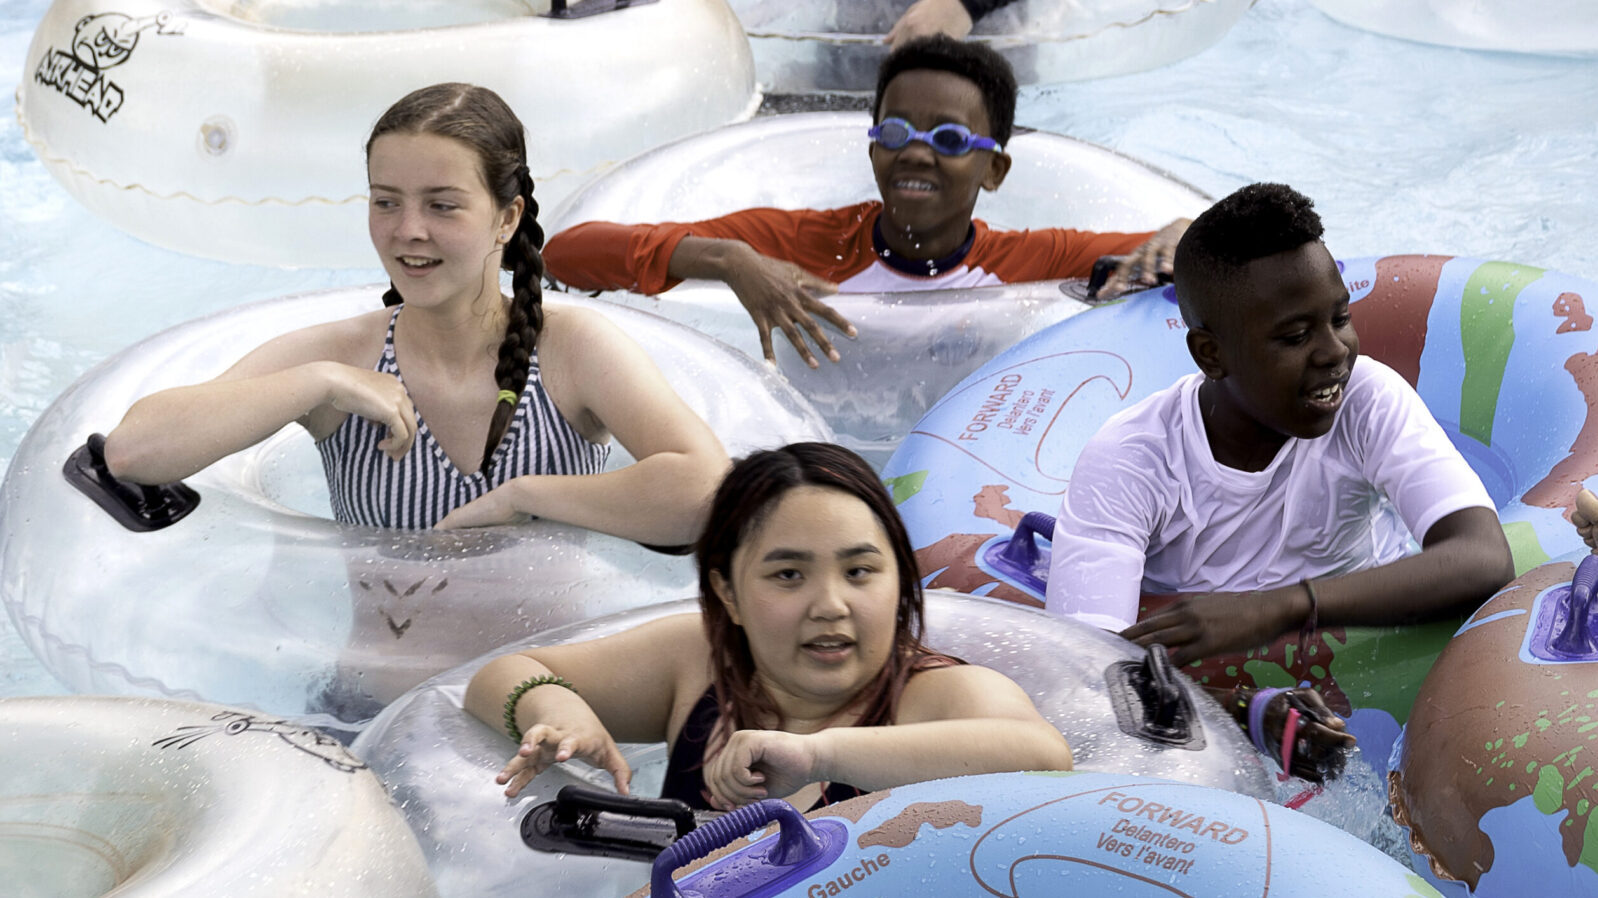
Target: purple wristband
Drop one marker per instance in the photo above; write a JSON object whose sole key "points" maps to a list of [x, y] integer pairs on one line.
{"points": [[1256, 717]]}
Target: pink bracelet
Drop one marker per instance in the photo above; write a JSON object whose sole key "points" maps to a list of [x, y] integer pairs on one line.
{"points": [[1289, 734]]}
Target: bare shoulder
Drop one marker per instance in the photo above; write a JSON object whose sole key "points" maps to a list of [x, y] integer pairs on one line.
{"points": [[684, 631], [354, 341], [569, 326], [962, 690], [643, 681], [956, 677], [598, 376], [681, 637]]}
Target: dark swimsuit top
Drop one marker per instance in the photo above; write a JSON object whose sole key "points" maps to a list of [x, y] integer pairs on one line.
{"points": [[685, 777]]}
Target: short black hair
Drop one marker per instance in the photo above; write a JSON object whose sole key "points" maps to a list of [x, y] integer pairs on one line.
{"points": [[975, 62], [1253, 222]]}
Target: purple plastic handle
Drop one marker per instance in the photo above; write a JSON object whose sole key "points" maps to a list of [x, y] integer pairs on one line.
{"points": [[796, 841], [1022, 549], [1577, 638]]}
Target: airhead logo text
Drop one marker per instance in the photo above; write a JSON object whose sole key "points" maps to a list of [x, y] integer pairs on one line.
{"points": [[99, 42]]}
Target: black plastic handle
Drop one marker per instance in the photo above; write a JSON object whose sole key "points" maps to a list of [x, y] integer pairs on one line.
{"points": [[572, 801], [582, 9], [1151, 701], [137, 507], [596, 823], [1166, 699]]}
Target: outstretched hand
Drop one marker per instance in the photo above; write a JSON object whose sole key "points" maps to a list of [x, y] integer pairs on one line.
{"points": [[1149, 265], [925, 18], [757, 764], [779, 294], [1202, 626], [1585, 517], [547, 744]]}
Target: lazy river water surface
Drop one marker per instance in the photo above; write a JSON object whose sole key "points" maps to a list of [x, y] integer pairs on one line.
{"points": [[1405, 147]]}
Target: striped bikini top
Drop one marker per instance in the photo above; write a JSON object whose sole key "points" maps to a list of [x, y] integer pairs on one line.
{"points": [[415, 492]]}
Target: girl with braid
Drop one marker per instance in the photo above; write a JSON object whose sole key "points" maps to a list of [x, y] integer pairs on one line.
{"points": [[455, 406]]}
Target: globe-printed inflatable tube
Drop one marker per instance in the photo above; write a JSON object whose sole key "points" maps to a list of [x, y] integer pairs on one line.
{"points": [[837, 46], [149, 798], [1501, 353], [258, 599], [1563, 27], [257, 158], [439, 762], [1031, 834], [1494, 776], [912, 347]]}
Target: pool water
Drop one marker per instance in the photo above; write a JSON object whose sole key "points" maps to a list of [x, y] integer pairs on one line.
{"points": [[1405, 147]]}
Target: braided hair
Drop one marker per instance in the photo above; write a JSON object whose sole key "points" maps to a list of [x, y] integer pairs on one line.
{"points": [[480, 119]]}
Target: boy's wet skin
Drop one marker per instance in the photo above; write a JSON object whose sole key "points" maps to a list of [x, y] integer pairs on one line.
{"points": [[1278, 362], [928, 198]]}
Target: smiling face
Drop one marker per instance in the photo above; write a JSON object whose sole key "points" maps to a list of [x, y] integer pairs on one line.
{"points": [[927, 199], [433, 222], [1278, 356], [815, 588]]}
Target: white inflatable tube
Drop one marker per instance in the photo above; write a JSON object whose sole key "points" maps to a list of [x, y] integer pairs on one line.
{"points": [[838, 45], [819, 160], [258, 599], [439, 762], [912, 347], [234, 130], [158, 799], [1562, 27]]}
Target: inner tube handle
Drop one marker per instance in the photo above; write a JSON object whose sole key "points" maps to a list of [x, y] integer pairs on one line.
{"points": [[135, 494], [573, 801], [796, 841], [558, 9], [1022, 550], [1166, 688], [138, 507], [1578, 638]]}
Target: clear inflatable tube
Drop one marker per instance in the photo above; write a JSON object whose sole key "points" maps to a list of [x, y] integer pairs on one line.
{"points": [[157, 799], [439, 762], [258, 599], [913, 347], [233, 130], [838, 45]]}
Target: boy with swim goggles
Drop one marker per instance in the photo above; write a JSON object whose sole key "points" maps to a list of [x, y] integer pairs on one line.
{"points": [[944, 111]]}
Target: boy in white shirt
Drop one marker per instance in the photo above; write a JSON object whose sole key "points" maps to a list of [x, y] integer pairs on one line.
{"points": [[1279, 486]]}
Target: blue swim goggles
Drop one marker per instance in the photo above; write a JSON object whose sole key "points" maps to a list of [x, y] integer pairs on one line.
{"points": [[947, 139]]}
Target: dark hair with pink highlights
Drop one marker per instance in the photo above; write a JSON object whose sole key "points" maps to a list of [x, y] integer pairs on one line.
{"points": [[748, 494]]}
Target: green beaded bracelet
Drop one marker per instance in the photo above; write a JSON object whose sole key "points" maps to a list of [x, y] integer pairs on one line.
{"points": [[521, 690]]}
